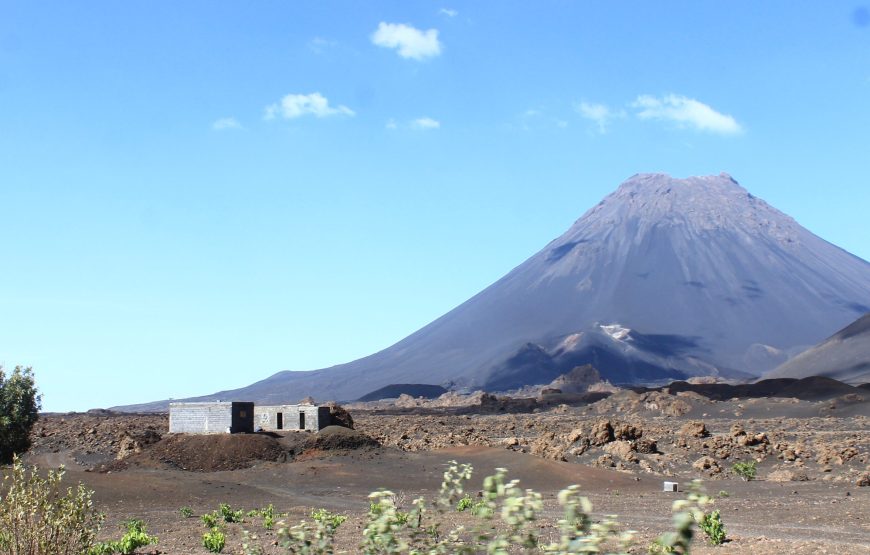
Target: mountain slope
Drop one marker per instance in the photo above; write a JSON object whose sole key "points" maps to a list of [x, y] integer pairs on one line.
{"points": [[845, 356], [709, 279]]}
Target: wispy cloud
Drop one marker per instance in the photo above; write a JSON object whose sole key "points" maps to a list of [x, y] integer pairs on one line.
{"points": [[315, 104], [600, 114], [319, 45], [448, 12], [685, 112], [226, 124], [538, 118], [408, 41], [424, 123]]}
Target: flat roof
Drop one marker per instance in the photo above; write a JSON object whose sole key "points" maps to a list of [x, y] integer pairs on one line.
{"points": [[211, 403]]}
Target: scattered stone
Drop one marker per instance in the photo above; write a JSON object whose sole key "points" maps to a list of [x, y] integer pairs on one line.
{"points": [[646, 446], [695, 428], [627, 431], [602, 432], [707, 464], [622, 449], [785, 475], [338, 416]]}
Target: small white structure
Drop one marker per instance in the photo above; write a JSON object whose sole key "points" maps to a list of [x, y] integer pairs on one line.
{"points": [[211, 417], [672, 486], [276, 418]]}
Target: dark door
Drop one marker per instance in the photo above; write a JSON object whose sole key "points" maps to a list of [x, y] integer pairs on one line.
{"points": [[301, 420], [280, 421]]}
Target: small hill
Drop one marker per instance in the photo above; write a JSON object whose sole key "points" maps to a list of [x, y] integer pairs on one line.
{"points": [[427, 391], [845, 356], [812, 388]]}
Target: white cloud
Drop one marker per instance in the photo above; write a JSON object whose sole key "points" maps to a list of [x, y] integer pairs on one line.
{"points": [[425, 123], [420, 124], [297, 105], [538, 118], [600, 114], [686, 112], [224, 124], [410, 42], [448, 12]]}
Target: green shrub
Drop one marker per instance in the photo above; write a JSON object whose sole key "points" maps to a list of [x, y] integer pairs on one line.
{"points": [[229, 515], [465, 503], [712, 526], [210, 520], [329, 519], [746, 470], [39, 517], [135, 537], [723, 494], [186, 512], [19, 411], [214, 540], [268, 514]]}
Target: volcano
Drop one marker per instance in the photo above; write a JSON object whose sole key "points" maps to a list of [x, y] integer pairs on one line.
{"points": [[664, 279]]}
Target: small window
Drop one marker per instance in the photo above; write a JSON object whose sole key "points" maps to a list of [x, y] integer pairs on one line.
{"points": [[243, 414]]}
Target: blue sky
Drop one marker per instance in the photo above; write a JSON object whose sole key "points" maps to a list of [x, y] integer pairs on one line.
{"points": [[196, 195]]}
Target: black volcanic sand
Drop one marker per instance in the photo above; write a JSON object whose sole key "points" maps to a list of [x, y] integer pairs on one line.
{"points": [[206, 453], [799, 518]]}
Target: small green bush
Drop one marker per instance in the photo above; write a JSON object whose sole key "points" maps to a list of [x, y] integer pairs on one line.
{"points": [[39, 517], [186, 512], [214, 540], [480, 508], [723, 494], [210, 520], [746, 470], [135, 537], [711, 524], [465, 503], [229, 515], [19, 411], [329, 519]]}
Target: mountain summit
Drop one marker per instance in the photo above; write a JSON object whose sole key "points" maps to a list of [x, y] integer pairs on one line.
{"points": [[665, 278]]}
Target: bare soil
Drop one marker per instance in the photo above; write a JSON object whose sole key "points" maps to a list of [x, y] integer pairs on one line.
{"points": [[811, 456]]}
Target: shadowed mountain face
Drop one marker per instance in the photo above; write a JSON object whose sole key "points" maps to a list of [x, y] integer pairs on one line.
{"points": [[664, 279], [845, 356]]}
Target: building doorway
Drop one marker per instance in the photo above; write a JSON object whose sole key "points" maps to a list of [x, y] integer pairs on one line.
{"points": [[301, 420], [280, 423]]}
